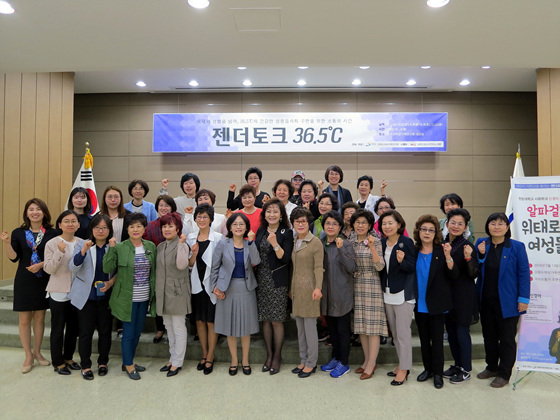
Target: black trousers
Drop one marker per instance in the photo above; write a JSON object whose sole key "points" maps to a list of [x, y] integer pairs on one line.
{"points": [[430, 330], [499, 337], [460, 343], [339, 330], [95, 315], [63, 343], [159, 323]]}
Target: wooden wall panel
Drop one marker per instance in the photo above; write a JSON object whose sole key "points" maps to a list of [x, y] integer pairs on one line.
{"points": [[36, 112]]}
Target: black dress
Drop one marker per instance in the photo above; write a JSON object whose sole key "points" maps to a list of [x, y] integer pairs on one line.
{"points": [[29, 290], [202, 307]]}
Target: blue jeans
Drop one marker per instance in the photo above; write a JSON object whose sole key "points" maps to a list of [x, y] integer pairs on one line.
{"points": [[132, 331]]}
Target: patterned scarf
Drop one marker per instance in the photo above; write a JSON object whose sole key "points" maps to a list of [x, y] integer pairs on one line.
{"points": [[457, 243], [33, 244]]}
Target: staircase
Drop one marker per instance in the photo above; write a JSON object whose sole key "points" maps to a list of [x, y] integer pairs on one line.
{"points": [[9, 337]]}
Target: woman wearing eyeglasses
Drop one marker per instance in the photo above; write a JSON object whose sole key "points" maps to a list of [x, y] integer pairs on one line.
{"points": [[459, 256], [504, 288]]}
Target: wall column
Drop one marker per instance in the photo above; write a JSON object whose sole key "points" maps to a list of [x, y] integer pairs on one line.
{"points": [[36, 130], [548, 111]]}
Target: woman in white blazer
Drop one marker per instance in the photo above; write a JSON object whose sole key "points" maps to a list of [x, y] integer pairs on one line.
{"points": [[90, 294], [218, 224], [366, 200], [202, 245]]}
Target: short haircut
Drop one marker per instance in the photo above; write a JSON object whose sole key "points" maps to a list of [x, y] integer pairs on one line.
{"points": [[64, 214], [349, 205], [365, 178], [204, 208], [46, 223], [284, 223], [286, 183], [121, 211], [333, 214], [253, 170], [173, 218], [203, 192], [309, 182], [246, 189], [132, 218], [454, 198], [301, 212], [331, 197], [80, 190], [167, 200], [497, 216], [363, 213], [232, 219], [143, 184], [459, 212], [334, 168], [387, 200], [427, 218], [188, 176], [397, 216], [95, 221]]}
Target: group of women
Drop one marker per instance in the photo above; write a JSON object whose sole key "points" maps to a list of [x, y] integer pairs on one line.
{"points": [[351, 263]]}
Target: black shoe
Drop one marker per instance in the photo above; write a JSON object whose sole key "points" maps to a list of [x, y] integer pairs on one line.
{"points": [[391, 374], [274, 371], [232, 370], [297, 370], [74, 366], [394, 382], [265, 368], [438, 381], [424, 376], [246, 370], [383, 340], [102, 370], [171, 373], [137, 367], [165, 368], [208, 369], [158, 339], [63, 370], [200, 366], [303, 374], [87, 375], [134, 375], [451, 371]]}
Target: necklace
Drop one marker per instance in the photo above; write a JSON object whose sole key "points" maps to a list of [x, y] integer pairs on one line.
{"points": [[271, 230]]}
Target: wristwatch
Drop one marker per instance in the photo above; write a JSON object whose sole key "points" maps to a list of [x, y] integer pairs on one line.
{"points": [[276, 248]]}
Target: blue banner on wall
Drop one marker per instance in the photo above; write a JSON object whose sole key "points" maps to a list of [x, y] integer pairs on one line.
{"points": [[301, 132]]}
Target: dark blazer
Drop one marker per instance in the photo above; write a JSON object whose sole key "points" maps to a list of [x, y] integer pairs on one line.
{"points": [[514, 278], [345, 194], [463, 292], [223, 264], [438, 289], [401, 276], [235, 203], [281, 268]]}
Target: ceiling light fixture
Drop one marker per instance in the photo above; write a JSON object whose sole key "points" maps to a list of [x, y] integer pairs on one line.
{"points": [[437, 3], [301, 82], [303, 67], [364, 67], [199, 4], [356, 82], [425, 67], [241, 68], [193, 83], [6, 8], [247, 83], [465, 82], [485, 67], [411, 82], [140, 83]]}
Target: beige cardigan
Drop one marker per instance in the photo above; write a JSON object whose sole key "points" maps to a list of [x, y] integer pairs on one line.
{"points": [[307, 275], [56, 264]]}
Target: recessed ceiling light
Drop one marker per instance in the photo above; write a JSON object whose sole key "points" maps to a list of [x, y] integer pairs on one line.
{"points": [[199, 4], [485, 67], [356, 82], [364, 67], [140, 83], [301, 82], [303, 67], [6, 8], [411, 82], [437, 3], [465, 82], [247, 83], [425, 67], [193, 83], [241, 68]]}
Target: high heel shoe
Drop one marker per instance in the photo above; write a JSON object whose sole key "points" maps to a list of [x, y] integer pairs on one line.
{"points": [[394, 382], [42, 362]]}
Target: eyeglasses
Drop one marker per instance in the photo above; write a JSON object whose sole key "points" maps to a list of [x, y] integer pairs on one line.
{"points": [[496, 224], [335, 224], [459, 224], [300, 222], [361, 222], [253, 178], [138, 189], [100, 228], [424, 230], [238, 225]]}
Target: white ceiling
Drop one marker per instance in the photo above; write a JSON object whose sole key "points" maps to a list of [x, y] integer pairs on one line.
{"points": [[111, 44]]}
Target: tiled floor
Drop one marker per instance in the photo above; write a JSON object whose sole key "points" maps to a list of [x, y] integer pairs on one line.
{"points": [[43, 394]]}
